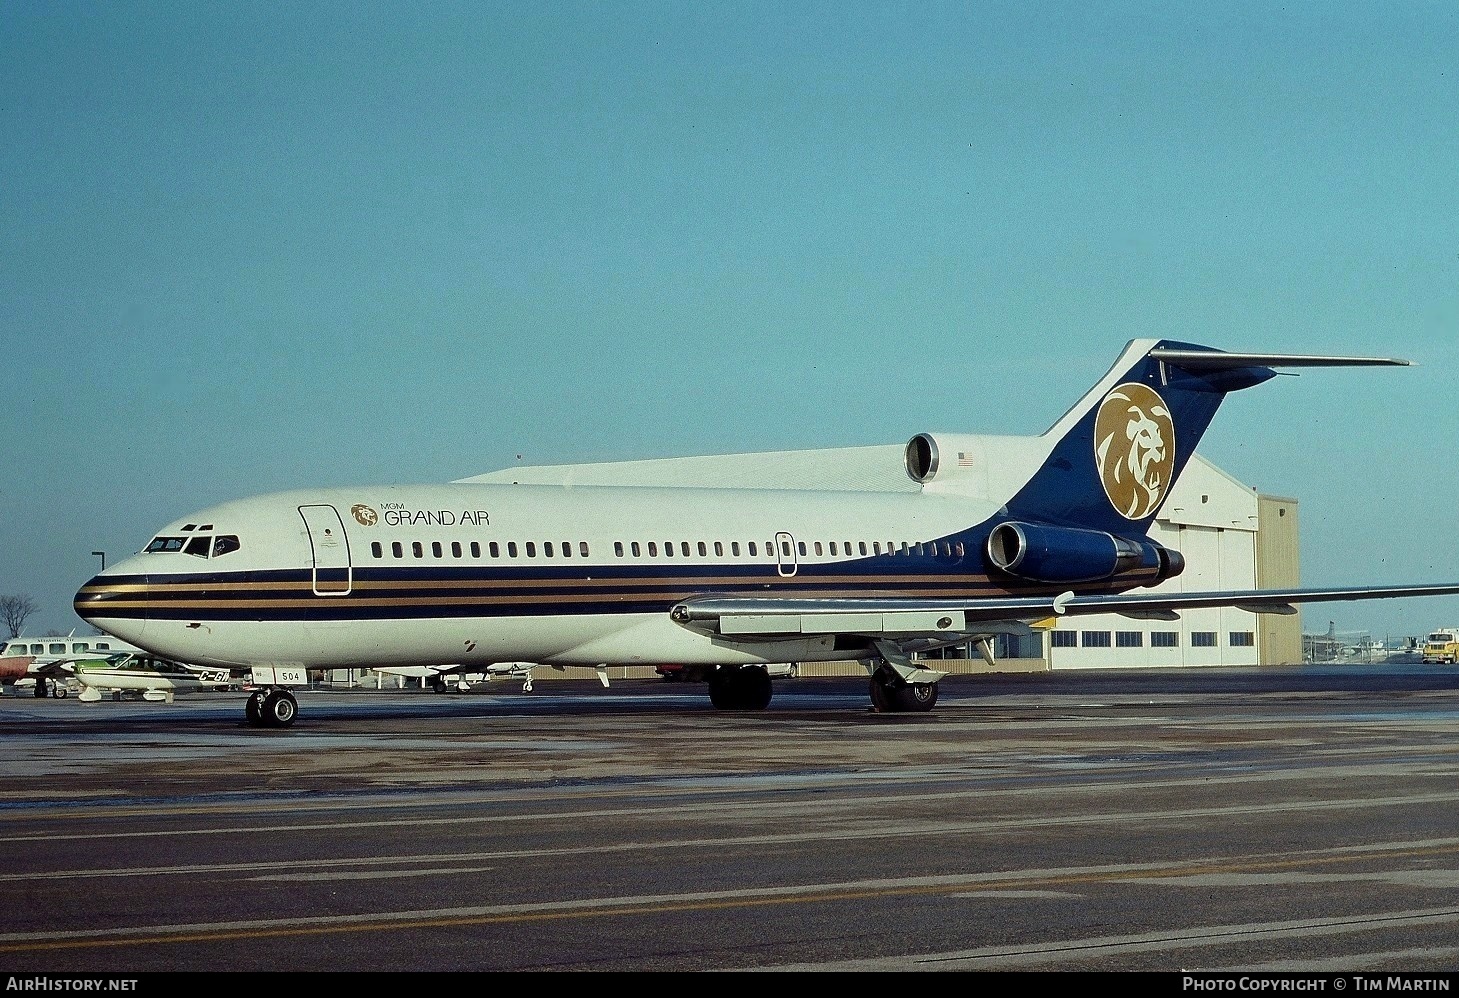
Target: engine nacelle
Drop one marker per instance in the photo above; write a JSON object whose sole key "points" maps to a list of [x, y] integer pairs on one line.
{"points": [[1042, 553]]}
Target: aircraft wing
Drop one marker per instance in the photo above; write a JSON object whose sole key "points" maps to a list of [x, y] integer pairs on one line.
{"points": [[757, 616]]}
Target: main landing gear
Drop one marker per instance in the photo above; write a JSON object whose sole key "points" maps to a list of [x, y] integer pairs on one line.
{"points": [[742, 687], [890, 693], [900, 685], [271, 708]]}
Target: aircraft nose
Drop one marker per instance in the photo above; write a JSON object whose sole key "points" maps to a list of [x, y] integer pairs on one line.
{"points": [[114, 603]]}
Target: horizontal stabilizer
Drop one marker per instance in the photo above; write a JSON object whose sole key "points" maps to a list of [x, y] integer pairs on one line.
{"points": [[1220, 360]]}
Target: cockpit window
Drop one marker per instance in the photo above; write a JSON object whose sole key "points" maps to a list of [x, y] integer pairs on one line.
{"points": [[166, 544], [199, 545]]}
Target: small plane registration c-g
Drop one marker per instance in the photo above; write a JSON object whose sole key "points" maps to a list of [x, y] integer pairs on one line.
{"points": [[658, 562], [154, 677]]}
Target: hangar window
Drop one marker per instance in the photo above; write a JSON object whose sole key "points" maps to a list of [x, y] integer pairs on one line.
{"points": [[1203, 639], [1164, 639], [1129, 639], [1242, 639], [1063, 639], [1094, 639]]}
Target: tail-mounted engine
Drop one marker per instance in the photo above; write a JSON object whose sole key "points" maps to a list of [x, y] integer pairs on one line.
{"points": [[1042, 553]]}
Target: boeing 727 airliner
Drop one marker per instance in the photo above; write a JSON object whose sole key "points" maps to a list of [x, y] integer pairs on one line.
{"points": [[534, 566]]}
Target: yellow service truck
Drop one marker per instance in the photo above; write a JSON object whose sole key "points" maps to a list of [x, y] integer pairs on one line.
{"points": [[1442, 646]]}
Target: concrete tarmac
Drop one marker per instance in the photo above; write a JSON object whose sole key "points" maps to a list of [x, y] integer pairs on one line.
{"points": [[1213, 820]]}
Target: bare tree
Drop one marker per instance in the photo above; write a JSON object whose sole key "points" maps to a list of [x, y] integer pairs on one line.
{"points": [[14, 610]]}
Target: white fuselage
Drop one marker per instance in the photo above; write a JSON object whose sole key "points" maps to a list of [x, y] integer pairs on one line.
{"points": [[476, 573]]}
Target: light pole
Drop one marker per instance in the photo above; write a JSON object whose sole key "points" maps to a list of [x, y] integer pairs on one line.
{"points": [[102, 556]]}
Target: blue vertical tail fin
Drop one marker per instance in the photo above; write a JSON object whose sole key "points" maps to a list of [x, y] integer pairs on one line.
{"points": [[1115, 455]]}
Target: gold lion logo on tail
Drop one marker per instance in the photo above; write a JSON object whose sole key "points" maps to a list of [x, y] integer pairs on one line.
{"points": [[1134, 448]]}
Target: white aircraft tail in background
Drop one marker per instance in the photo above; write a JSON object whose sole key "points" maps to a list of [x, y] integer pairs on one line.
{"points": [[664, 562]]}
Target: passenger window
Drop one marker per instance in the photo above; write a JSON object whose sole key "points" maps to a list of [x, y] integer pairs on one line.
{"points": [[395, 549], [417, 549], [531, 549], [875, 547], [703, 550], [547, 549], [668, 549], [375, 549], [476, 549], [455, 549], [618, 549], [511, 549], [435, 549], [653, 550], [833, 549], [495, 551], [719, 549], [634, 548], [684, 548], [753, 551], [801, 545], [567, 549], [861, 546], [583, 548], [57, 649]]}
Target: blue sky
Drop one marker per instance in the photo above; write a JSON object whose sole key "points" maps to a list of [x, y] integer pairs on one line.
{"points": [[247, 247]]}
